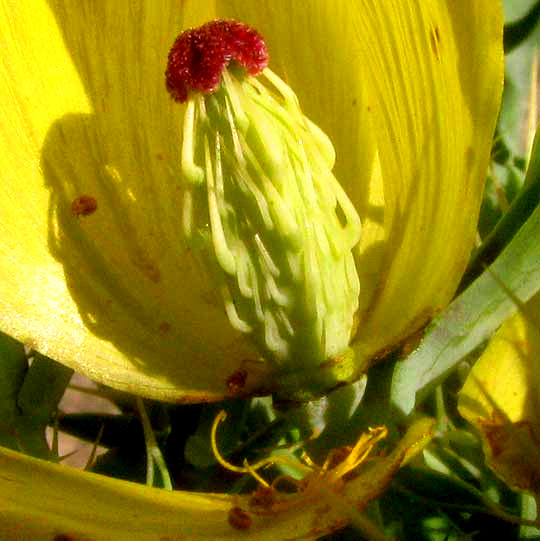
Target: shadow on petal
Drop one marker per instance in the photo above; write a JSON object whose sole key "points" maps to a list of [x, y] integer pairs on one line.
{"points": [[136, 284]]}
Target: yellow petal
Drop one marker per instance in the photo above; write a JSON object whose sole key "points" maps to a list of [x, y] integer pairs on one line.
{"points": [[42, 500], [433, 73], [419, 82], [501, 397], [115, 293]]}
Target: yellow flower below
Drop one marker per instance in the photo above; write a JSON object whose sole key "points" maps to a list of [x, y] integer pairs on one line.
{"points": [[501, 398], [42, 500]]}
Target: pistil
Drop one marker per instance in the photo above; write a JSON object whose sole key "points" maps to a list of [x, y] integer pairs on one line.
{"points": [[261, 205]]}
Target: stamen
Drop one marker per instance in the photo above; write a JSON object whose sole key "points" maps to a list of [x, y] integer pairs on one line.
{"points": [[246, 468], [262, 206], [360, 451], [336, 466], [254, 474]]}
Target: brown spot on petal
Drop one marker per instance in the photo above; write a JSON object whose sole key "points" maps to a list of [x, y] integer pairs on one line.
{"points": [[239, 519], [470, 158], [237, 381], [513, 450], [435, 41], [164, 327], [84, 205], [263, 498], [148, 267]]}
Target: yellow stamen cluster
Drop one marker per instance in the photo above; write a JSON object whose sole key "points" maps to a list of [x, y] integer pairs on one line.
{"points": [[317, 480]]}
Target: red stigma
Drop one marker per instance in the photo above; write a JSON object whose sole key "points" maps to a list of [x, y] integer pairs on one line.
{"points": [[199, 56]]}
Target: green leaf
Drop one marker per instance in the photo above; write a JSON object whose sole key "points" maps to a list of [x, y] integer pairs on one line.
{"points": [[42, 389], [522, 207], [29, 396], [475, 314], [517, 32], [13, 366]]}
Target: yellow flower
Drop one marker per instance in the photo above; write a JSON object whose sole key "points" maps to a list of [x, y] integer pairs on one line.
{"points": [[501, 398], [42, 500], [95, 270]]}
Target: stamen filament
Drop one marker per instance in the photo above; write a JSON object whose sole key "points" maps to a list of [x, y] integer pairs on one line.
{"points": [[246, 468], [360, 451]]}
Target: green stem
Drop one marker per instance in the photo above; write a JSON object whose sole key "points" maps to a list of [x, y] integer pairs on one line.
{"points": [[153, 453]]}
